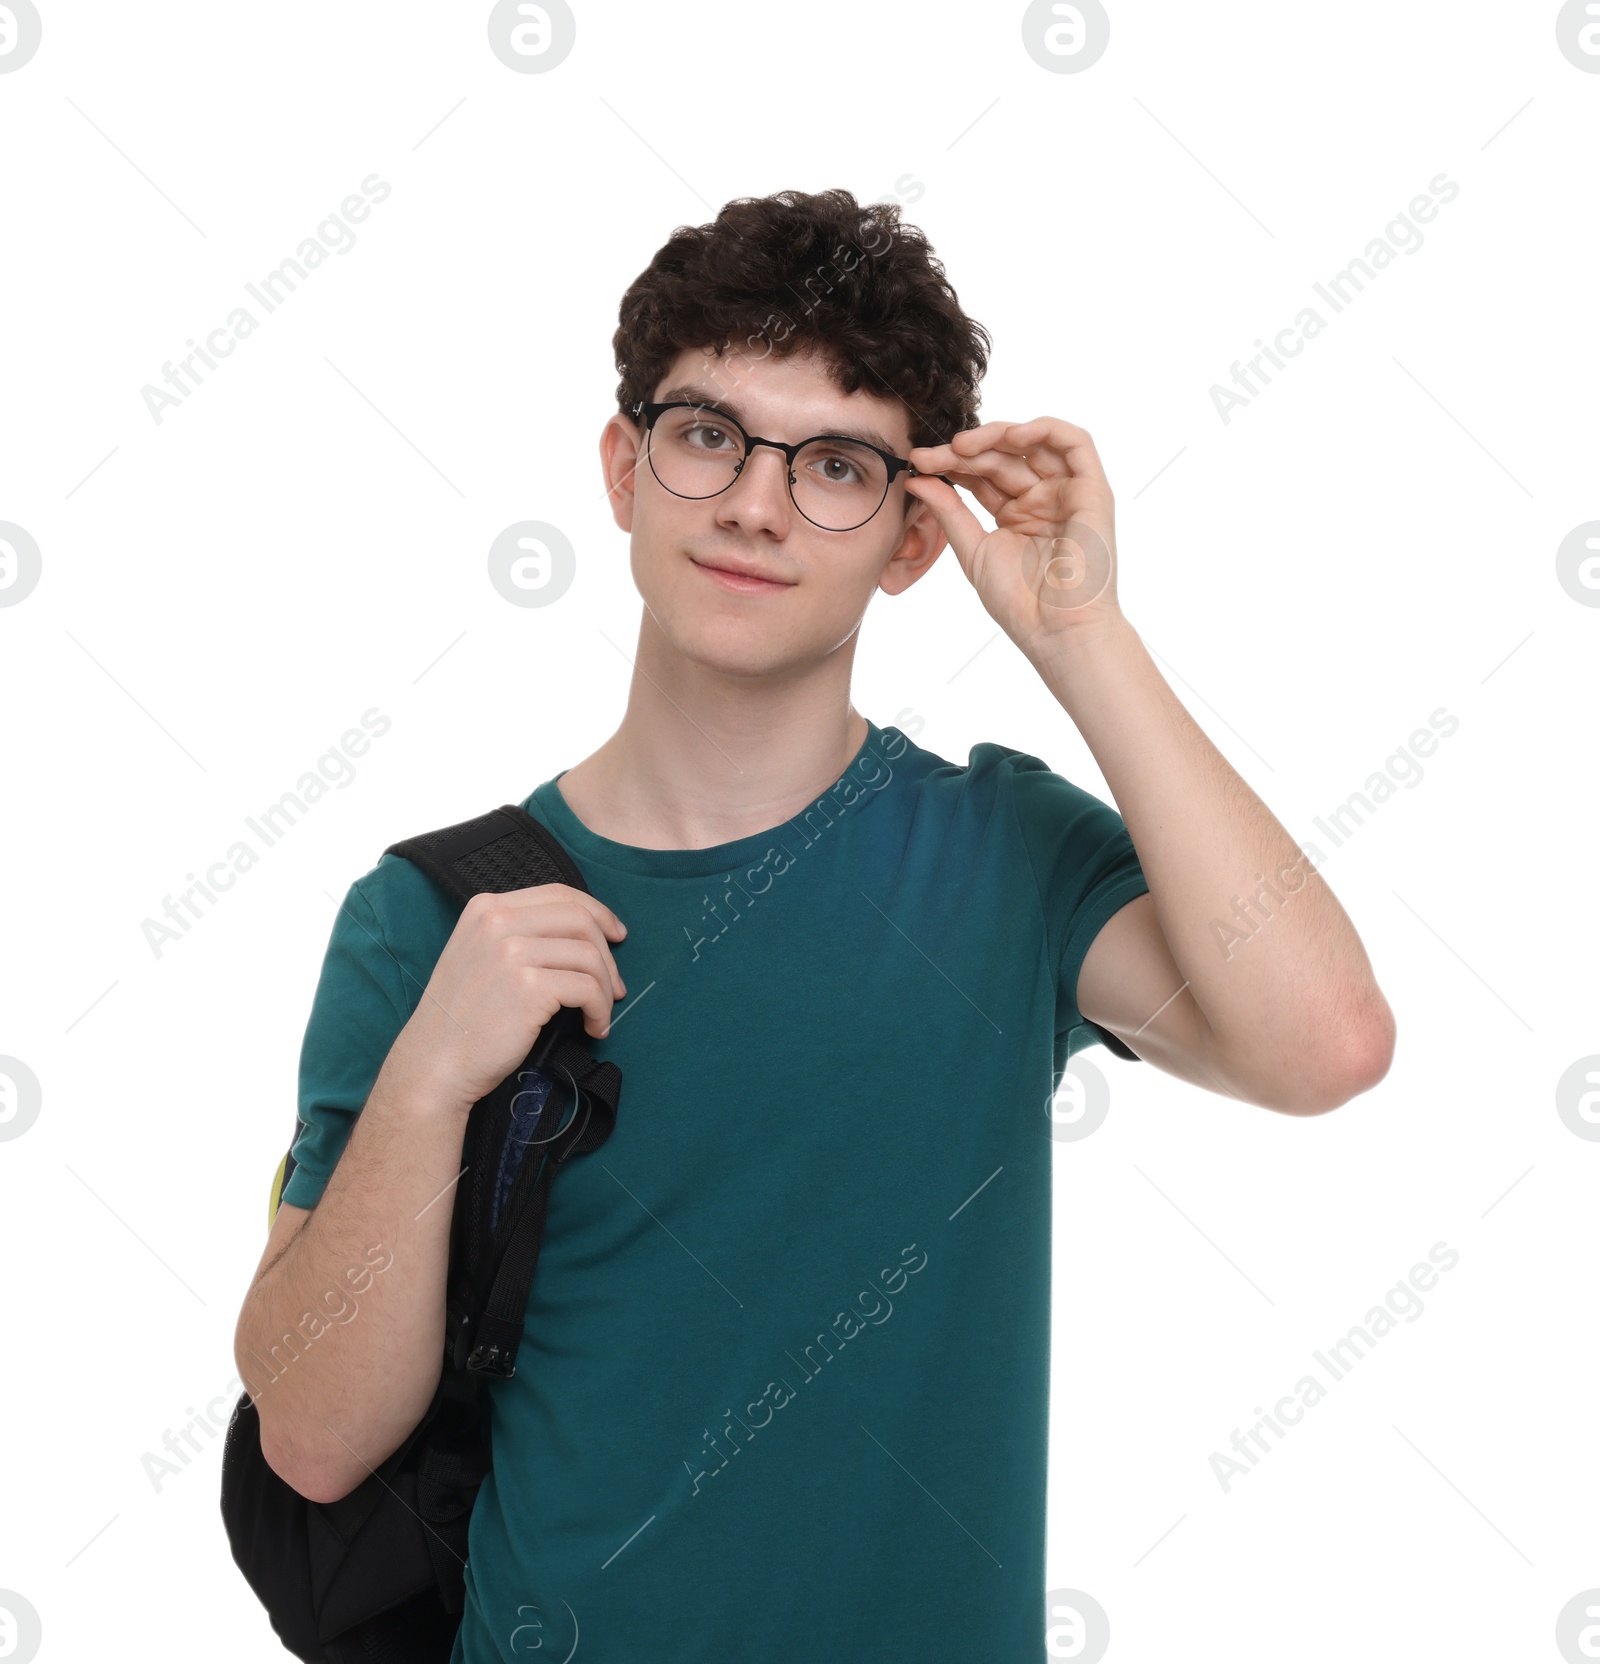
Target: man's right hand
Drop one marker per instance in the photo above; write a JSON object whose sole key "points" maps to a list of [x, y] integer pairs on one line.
{"points": [[513, 960], [337, 1400]]}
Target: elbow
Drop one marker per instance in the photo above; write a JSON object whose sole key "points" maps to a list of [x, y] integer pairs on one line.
{"points": [[315, 1470], [319, 1475], [1355, 1063], [316, 1481], [321, 1490], [285, 1454]]}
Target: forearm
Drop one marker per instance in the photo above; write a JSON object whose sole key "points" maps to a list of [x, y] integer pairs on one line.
{"points": [[341, 1339], [1273, 964]]}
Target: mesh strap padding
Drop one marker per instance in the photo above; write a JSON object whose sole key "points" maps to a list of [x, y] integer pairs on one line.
{"points": [[506, 849]]}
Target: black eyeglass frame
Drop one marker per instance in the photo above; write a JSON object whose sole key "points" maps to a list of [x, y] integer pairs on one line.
{"points": [[651, 412]]}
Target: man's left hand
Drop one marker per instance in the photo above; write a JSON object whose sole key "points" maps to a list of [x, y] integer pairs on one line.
{"points": [[1049, 565]]}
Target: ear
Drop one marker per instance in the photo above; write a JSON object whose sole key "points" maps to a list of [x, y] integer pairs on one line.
{"points": [[922, 539], [621, 451]]}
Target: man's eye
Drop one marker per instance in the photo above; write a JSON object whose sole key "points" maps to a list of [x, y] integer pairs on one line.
{"points": [[838, 470], [707, 438]]}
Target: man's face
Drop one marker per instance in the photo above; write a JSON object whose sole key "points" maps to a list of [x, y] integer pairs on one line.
{"points": [[824, 578]]}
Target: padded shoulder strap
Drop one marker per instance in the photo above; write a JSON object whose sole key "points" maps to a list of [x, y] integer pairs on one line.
{"points": [[506, 849], [491, 1271]]}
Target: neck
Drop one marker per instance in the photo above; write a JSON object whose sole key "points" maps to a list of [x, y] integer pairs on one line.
{"points": [[702, 757]]}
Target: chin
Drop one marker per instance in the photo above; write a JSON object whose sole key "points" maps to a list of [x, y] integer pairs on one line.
{"points": [[729, 645], [716, 650]]}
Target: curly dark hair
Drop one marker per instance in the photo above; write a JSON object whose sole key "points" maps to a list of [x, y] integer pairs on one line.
{"points": [[819, 271]]}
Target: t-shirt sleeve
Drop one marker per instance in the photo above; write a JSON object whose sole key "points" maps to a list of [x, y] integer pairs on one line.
{"points": [[1085, 869], [358, 1009]]}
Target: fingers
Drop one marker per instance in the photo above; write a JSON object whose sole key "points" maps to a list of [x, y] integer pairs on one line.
{"points": [[576, 979], [1060, 436], [1054, 447], [991, 496], [540, 894], [960, 524], [1011, 473], [1046, 446], [550, 912], [1041, 500]]}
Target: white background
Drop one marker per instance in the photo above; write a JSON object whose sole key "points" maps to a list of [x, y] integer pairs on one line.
{"points": [[1373, 538]]}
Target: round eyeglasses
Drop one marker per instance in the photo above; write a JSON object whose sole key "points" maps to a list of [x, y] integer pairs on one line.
{"points": [[698, 451]]}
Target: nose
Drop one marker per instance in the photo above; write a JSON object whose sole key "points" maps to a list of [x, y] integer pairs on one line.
{"points": [[759, 496], [785, 472]]}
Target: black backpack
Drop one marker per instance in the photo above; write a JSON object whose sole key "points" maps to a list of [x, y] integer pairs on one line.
{"points": [[377, 1577]]}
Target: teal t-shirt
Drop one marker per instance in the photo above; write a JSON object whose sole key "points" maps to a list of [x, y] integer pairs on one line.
{"points": [[783, 1391]]}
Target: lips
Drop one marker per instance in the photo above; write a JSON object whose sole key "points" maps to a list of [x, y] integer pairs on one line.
{"points": [[745, 582]]}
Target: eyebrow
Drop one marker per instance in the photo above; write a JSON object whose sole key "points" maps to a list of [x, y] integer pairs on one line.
{"points": [[698, 395]]}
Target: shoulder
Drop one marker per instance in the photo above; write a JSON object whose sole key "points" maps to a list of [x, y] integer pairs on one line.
{"points": [[1009, 800], [399, 892], [993, 774], [395, 920]]}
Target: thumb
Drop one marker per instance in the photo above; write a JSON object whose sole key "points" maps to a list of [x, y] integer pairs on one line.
{"points": [[960, 525]]}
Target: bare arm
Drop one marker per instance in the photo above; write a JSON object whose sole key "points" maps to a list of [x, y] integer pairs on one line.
{"points": [[1271, 1000], [1240, 971], [341, 1337]]}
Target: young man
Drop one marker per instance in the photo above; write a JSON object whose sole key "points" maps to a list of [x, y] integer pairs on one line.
{"points": [[783, 1390]]}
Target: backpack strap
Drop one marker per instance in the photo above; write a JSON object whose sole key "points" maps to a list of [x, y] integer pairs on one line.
{"points": [[489, 1346], [507, 849]]}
